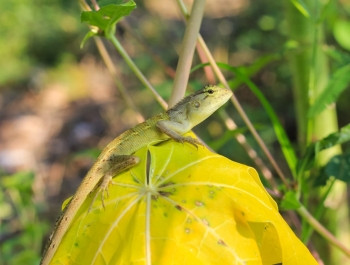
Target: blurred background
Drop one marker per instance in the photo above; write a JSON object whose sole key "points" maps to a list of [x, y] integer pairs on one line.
{"points": [[59, 105]]}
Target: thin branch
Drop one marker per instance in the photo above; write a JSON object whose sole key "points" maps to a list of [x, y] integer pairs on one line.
{"points": [[129, 61], [169, 71], [231, 125], [113, 71], [110, 66], [242, 113], [240, 138], [302, 210], [209, 73], [137, 71], [187, 51], [322, 230]]}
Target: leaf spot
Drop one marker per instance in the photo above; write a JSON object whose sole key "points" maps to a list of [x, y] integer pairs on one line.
{"points": [[166, 184], [178, 207], [206, 222], [222, 243], [165, 193], [199, 203]]}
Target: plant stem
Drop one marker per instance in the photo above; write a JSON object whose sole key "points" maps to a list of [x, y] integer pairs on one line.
{"points": [[113, 71], [322, 230], [187, 51], [310, 71], [242, 140], [234, 100], [110, 66], [242, 113], [318, 212], [136, 70]]}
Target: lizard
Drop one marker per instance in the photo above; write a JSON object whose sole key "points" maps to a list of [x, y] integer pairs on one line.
{"points": [[117, 156]]}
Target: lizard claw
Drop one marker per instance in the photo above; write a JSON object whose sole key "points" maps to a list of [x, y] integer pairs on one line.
{"points": [[118, 164], [192, 141], [102, 189]]}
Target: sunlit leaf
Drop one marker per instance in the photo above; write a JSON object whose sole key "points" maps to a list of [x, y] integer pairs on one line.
{"points": [[183, 205], [337, 84]]}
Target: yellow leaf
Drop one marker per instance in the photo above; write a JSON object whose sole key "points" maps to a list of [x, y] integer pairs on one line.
{"points": [[182, 205]]}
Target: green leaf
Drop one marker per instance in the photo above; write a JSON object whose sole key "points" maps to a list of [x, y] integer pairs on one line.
{"points": [[334, 139], [21, 181], [107, 16], [290, 201], [340, 57], [320, 178], [312, 150], [103, 3], [336, 85], [302, 7], [339, 167], [341, 33]]}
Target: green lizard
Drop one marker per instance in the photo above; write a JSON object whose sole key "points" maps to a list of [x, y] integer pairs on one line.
{"points": [[117, 155]]}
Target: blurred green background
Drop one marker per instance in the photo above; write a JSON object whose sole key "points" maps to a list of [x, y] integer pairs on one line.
{"points": [[59, 105]]}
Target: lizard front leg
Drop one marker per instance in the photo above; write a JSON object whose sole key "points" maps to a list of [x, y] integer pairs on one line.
{"points": [[111, 167], [175, 129]]}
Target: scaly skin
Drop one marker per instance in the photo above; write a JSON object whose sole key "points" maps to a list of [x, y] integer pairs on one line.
{"points": [[117, 155]]}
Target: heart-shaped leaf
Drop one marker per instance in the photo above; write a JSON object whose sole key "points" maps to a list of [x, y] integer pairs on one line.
{"points": [[106, 18], [182, 205]]}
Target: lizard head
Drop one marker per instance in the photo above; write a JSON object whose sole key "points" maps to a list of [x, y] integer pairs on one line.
{"points": [[200, 105]]}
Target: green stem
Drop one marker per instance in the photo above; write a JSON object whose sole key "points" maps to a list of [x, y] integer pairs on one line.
{"points": [[186, 55], [318, 212], [113, 71], [322, 230], [136, 70]]}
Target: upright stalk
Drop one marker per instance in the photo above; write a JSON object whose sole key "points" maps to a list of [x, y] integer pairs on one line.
{"points": [[187, 50], [310, 72]]}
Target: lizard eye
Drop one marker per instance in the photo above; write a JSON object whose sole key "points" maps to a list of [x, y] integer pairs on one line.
{"points": [[210, 91], [196, 104]]}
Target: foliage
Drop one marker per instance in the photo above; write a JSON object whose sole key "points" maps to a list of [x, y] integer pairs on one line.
{"points": [[146, 199], [169, 210], [38, 26], [336, 85], [19, 227], [308, 161], [254, 47], [107, 16]]}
